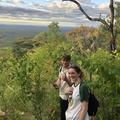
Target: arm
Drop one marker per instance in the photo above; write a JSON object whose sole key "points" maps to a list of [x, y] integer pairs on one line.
{"points": [[67, 79], [56, 84], [70, 83], [84, 98], [84, 109], [68, 91]]}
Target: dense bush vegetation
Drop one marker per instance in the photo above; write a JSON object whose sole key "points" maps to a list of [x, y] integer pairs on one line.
{"points": [[28, 71]]}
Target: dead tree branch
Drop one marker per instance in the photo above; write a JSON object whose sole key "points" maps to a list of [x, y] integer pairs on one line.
{"points": [[110, 25]]}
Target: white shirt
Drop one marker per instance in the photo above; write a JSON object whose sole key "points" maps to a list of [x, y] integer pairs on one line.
{"points": [[63, 85], [74, 108]]}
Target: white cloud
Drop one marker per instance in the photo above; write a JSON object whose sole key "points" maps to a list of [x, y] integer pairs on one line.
{"points": [[103, 6], [12, 2], [61, 5], [56, 10], [117, 0], [16, 1]]}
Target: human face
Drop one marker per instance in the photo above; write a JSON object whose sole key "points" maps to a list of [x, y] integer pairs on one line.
{"points": [[73, 75], [65, 63]]}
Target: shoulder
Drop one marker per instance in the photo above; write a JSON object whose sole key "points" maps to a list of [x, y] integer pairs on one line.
{"points": [[83, 86], [84, 91]]}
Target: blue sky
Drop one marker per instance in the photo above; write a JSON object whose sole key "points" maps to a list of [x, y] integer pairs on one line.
{"points": [[100, 1], [43, 12]]}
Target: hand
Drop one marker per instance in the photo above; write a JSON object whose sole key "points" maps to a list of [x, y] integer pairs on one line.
{"points": [[63, 76], [55, 85], [68, 90]]}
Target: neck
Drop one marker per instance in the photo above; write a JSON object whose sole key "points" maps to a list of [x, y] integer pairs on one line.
{"points": [[77, 82], [66, 67]]}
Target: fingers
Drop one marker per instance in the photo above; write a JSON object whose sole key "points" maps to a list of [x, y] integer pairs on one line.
{"points": [[55, 85], [68, 91]]}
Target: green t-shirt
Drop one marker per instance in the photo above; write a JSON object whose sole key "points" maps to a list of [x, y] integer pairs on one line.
{"points": [[84, 92]]}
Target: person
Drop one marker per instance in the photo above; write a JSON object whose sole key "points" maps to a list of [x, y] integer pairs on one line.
{"points": [[62, 83], [78, 106]]}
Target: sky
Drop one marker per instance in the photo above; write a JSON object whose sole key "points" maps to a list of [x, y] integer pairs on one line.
{"points": [[43, 12]]}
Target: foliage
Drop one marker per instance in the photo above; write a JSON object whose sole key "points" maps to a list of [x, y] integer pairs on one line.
{"points": [[21, 46], [26, 90], [105, 69], [31, 78], [54, 32], [86, 39], [117, 25], [40, 39]]}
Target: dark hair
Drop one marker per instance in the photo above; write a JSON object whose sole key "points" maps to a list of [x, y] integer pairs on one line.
{"points": [[78, 70], [66, 57]]}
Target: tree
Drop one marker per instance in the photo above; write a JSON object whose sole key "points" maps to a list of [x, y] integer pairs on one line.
{"points": [[86, 38], [21, 46], [110, 25], [54, 32], [40, 39]]}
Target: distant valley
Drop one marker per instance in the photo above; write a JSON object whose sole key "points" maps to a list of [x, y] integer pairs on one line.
{"points": [[9, 33]]}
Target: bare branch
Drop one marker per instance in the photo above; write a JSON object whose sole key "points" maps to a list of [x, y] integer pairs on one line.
{"points": [[109, 26], [90, 18]]}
